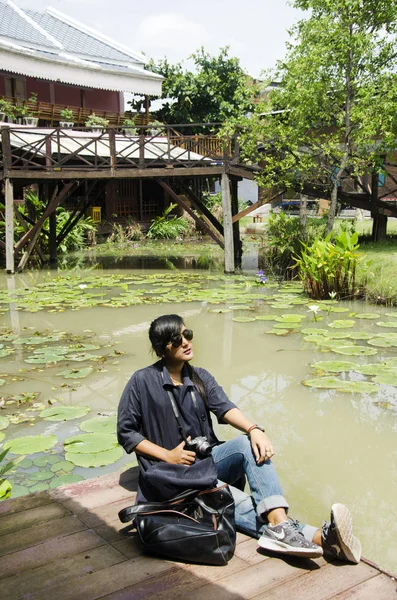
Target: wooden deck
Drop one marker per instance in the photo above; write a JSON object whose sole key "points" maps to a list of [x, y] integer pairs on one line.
{"points": [[68, 543]]}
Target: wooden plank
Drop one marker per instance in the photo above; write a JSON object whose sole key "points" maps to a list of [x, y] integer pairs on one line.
{"points": [[201, 207], [130, 547], [179, 582], [31, 517], [229, 266], [380, 587], [9, 217], [106, 581], [24, 222], [47, 551], [59, 572], [248, 551], [321, 584], [39, 533], [103, 515], [243, 213]]}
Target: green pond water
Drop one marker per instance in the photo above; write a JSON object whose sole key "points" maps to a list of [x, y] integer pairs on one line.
{"points": [[69, 342]]}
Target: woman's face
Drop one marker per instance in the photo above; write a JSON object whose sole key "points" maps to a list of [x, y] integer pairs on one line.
{"points": [[182, 352]]}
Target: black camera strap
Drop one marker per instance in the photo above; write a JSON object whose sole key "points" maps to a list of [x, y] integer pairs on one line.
{"points": [[177, 415]]}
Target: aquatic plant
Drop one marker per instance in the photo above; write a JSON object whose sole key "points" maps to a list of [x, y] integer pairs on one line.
{"points": [[165, 227], [5, 485]]}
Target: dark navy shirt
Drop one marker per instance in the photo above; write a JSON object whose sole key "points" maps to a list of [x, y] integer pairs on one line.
{"points": [[145, 410]]}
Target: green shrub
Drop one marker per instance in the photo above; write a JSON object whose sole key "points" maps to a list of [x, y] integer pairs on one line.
{"points": [[163, 227], [282, 243], [5, 485], [123, 234], [328, 269]]}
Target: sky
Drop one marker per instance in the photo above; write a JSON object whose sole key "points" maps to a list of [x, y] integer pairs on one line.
{"points": [[255, 30]]}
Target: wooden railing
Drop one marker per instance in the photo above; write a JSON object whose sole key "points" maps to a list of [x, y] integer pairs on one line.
{"points": [[58, 149], [52, 113]]}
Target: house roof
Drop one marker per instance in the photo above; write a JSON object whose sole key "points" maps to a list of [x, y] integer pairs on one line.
{"points": [[54, 46]]}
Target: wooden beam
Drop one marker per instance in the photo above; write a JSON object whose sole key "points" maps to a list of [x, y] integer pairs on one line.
{"points": [[237, 246], [9, 206], [272, 195], [66, 190], [201, 207], [227, 224], [25, 224], [119, 173], [186, 207], [78, 214]]}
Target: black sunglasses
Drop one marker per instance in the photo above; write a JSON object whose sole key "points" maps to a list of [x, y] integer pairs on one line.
{"points": [[176, 338]]}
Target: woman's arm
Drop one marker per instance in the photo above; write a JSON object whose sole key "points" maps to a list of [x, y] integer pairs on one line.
{"points": [[176, 456], [261, 445]]}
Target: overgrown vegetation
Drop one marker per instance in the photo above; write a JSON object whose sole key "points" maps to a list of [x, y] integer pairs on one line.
{"points": [[5, 485], [166, 227], [122, 234]]}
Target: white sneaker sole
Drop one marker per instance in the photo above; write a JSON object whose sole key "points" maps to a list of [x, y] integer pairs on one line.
{"points": [[276, 546], [349, 544]]}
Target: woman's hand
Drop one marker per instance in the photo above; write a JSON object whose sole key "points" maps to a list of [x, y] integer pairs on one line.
{"points": [[180, 456], [261, 446]]}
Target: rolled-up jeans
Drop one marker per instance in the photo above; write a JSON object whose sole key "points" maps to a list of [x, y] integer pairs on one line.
{"points": [[234, 461]]}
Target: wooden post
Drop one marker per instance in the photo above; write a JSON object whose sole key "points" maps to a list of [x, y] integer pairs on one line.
{"points": [[53, 237], [9, 197], [227, 224], [238, 251], [379, 224]]}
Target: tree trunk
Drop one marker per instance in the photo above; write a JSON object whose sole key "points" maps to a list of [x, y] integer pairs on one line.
{"points": [[332, 207], [303, 216]]}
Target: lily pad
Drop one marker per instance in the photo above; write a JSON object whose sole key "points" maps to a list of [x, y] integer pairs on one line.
{"points": [[42, 461], [266, 318], [2, 381], [380, 343], [41, 359], [360, 335], [65, 480], [99, 425], [2, 436], [287, 325], [220, 311], [30, 444], [334, 366], [339, 309], [39, 487], [40, 476], [333, 383], [64, 413], [19, 490], [387, 323], [62, 465], [4, 352], [386, 378], [314, 331], [355, 350], [4, 422], [25, 463], [290, 318], [278, 331], [88, 443], [243, 319], [373, 369], [76, 373], [367, 316], [98, 459], [342, 323]]}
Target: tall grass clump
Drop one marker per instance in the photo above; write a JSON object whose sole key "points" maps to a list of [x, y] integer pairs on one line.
{"points": [[329, 268], [165, 227]]}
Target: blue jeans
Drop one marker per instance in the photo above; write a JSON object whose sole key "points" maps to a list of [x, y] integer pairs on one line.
{"points": [[234, 461]]}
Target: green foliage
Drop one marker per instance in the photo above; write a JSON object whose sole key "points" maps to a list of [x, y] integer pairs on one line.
{"points": [[328, 268], [5, 486], [7, 108], [163, 227], [283, 243], [94, 120], [337, 94], [123, 234], [67, 114], [217, 89]]}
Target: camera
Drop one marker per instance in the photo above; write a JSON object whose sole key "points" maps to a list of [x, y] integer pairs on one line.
{"points": [[199, 445]]}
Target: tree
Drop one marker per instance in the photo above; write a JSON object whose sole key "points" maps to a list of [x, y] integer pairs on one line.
{"points": [[218, 89], [333, 115]]}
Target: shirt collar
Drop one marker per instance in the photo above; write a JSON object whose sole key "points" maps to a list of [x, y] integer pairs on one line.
{"points": [[167, 377]]}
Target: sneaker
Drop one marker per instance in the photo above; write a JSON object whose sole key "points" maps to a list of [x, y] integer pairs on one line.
{"points": [[287, 539], [337, 536]]}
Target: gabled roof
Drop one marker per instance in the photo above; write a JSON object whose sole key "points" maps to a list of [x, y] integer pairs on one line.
{"points": [[79, 54]]}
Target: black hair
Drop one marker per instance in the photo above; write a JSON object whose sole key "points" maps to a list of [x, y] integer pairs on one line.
{"points": [[160, 332]]}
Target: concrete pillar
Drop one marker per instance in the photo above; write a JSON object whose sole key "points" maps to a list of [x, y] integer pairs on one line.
{"points": [[227, 224], [9, 198]]}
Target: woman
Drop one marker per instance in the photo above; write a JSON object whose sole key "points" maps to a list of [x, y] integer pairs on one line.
{"points": [[148, 426]]}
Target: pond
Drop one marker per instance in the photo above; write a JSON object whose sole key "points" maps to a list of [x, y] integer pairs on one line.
{"points": [[70, 340]]}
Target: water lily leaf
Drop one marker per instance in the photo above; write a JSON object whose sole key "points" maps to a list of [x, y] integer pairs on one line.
{"points": [[334, 366], [31, 444], [339, 309], [4, 422], [4, 352], [386, 378], [100, 425], [90, 442], [327, 342], [243, 319], [40, 476], [65, 480], [290, 318], [355, 350], [367, 316], [81, 357], [278, 331], [2, 381], [339, 324], [98, 459], [19, 490], [338, 335], [391, 362], [360, 335], [266, 318], [64, 413], [314, 331], [286, 324], [76, 373], [2, 436], [374, 369], [62, 465], [41, 359], [39, 487], [387, 323], [25, 463], [392, 315], [333, 383], [219, 311], [240, 307], [280, 305], [42, 461], [380, 343]]}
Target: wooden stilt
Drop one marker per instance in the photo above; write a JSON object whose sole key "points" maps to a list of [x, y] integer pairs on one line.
{"points": [[237, 246], [227, 224], [9, 198], [53, 228]]}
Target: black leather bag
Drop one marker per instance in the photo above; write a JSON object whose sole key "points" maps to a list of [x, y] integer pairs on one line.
{"points": [[195, 527]]}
